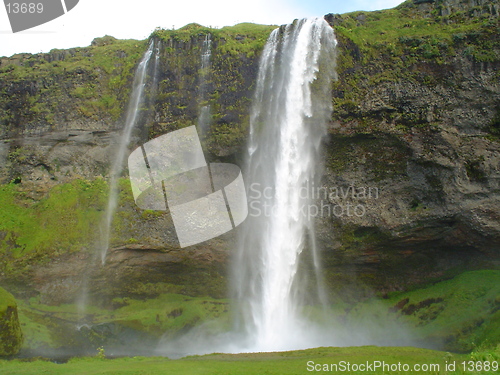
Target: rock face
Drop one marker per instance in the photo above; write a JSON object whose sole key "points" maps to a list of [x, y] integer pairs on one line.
{"points": [[412, 159], [414, 138], [11, 337]]}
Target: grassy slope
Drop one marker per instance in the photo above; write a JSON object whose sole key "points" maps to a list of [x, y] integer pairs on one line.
{"points": [[404, 31], [460, 314], [470, 306], [168, 313], [398, 24]]}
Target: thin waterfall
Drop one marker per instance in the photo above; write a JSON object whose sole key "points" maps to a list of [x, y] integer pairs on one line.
{"points": [[291, 108], [156, 69], [133, 111], [157, 65], [206, 53]]}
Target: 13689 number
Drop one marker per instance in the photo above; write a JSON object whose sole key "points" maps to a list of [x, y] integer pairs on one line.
{"points": [[477, 366], [24, 8]]}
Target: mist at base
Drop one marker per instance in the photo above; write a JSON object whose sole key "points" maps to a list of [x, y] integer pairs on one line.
{"points": [[374, 327]]}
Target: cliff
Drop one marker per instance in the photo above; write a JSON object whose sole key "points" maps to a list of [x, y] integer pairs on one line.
{"points": [[413, 144], [416, 112]]}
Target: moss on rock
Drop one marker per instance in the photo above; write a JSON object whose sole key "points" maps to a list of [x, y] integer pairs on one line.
{"points": [[11, 337]]}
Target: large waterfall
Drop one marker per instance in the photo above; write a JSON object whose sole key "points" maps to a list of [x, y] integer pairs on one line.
{"points": [[291, 107]]}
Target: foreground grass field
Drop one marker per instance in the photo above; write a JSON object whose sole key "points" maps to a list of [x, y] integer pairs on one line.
{"points": [[366, 360]]}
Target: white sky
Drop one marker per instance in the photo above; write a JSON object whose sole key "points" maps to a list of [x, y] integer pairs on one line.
{"points": [[132, 19]]}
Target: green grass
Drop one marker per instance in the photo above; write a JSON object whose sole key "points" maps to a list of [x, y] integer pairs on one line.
{"points": [[390, 25], [168, 313], [460, 314], [405, 29], [469, 323], [34, 231], [15, 220], [295, 362], [252, 38], [243, 38], [64, 220], [6, 300], [38, 226]]}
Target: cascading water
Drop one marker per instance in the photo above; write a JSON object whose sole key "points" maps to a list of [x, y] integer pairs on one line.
{"points": [[206, 53], [291, 108], [133, 110]]}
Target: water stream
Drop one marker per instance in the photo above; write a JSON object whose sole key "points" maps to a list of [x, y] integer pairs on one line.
{"points": [[133, 110], [205, 116]]}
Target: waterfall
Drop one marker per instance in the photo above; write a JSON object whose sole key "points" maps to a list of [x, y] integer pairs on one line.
{"points": [[206, 54], [288, 120], [133, 110]]}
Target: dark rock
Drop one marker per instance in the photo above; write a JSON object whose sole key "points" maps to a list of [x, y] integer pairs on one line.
{"points": [[333, 19], [104, 41], [412, 308], [400, 305]]}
